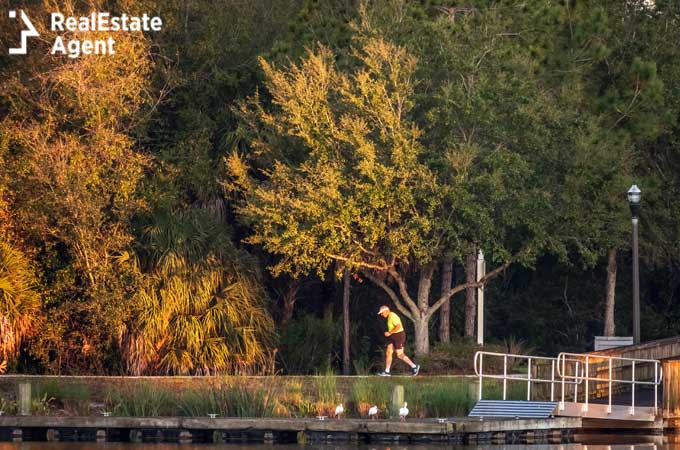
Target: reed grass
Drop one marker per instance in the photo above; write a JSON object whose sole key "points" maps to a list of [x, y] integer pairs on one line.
{"points": [[141, 400], [326, 387]]}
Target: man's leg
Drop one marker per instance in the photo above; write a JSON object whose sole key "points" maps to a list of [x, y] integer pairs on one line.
{"points": [[414, 367], [388, 357], [401, 355]]}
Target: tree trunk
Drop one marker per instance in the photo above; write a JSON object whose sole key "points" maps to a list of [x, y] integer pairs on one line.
{"points": [[421, 321], [470, 300], [289, 297], [609, 325], [345, 323], [422, 336], [445, 309]]}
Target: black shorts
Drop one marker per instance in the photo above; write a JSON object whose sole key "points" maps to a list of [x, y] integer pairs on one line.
{"points": [[397, 340]]}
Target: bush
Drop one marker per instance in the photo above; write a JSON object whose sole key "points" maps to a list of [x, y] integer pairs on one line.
{"points": [[456, 357], [308, 345]]}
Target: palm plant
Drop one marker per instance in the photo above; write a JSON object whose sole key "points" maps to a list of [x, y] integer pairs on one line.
{"points": [[19, 301], [201, 309]]}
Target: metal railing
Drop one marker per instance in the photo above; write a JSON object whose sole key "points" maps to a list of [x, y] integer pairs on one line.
{"points": [[588, 361], [531, 361]]}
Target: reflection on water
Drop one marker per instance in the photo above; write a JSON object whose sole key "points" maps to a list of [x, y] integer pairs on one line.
{"points": [[131, 446]]}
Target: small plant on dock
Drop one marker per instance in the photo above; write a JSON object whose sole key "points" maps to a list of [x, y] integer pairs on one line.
{"points": [[41, 406], [73, 398], [8, 407]]}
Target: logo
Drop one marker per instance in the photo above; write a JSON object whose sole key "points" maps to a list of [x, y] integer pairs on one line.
{"points": [[32, 32], [82, 35]]}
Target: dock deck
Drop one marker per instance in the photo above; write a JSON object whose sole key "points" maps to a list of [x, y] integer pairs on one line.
{"points": [[462, 430]]}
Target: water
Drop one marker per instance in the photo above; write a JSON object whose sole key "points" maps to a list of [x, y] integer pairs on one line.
{"points": [[130, 446]]}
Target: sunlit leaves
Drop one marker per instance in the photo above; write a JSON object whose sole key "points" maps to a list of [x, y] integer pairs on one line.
{"points": [[19, 300]]}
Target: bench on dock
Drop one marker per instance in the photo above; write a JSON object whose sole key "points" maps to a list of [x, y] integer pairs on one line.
{"points": [[509, 408]]}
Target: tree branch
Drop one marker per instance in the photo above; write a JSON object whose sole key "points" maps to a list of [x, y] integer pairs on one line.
{"points": [[403, 290], [489, 276], [393, 295], [361, 264]]}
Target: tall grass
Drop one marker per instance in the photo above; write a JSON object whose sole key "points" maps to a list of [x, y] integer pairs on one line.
{"points": [[271, 397], [367, 392], [235, 400], [326, 387], [141, 400], [441, 398]]}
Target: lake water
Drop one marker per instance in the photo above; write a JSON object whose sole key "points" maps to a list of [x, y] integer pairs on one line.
{"points": [[130, 446]]}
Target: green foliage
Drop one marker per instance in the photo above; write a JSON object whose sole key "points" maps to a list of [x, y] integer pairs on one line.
{"points": [[455, 357], [73, 148], [382, 134], [308, 345]]}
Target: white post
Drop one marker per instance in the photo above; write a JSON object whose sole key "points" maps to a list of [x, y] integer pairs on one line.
{"points": [[552, 382], [609, 408], [505, 375], [481, 379], [481, 271]]}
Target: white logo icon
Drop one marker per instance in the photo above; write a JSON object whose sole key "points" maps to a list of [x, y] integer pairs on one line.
{"points": [[24, 34]]}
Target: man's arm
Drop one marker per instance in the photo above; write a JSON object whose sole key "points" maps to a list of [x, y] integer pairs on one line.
{"points": [[397, 328]]}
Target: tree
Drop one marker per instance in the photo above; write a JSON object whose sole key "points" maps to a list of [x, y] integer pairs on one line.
{"points": [[71, 177], [200, 308], [351, 180]]}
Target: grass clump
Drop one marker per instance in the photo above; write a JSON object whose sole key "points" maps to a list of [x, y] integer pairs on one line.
{"points": [[367, 392], [141, 400], [230, 400]]}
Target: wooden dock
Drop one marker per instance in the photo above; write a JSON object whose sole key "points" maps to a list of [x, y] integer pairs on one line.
{"points": [[215, 430]]}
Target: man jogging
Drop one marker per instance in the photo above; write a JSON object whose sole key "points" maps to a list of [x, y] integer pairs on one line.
{"points": [[397, 336]]}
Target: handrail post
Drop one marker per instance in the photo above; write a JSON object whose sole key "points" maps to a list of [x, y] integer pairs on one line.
{"points": [[656, 385], [576, 377], [564, 375], [609, 409], [481, 371], [632, 389], [529, 379], [585, 406], [552, 382], [505, 375]]}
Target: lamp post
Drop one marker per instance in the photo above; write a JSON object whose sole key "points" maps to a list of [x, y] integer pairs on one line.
{"points": [[634, 195]]}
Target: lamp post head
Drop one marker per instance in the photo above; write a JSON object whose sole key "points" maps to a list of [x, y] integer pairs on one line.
{"points": [[634, 196]]}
